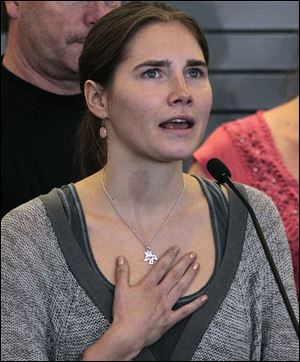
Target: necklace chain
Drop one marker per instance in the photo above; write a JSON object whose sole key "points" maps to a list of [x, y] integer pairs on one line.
{"points": [[149, 256]]}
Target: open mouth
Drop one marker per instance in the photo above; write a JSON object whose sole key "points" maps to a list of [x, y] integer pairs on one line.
{"points": [[177, 123]]}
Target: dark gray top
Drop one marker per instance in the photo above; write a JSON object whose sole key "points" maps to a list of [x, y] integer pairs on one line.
{"points": [[218, 207]]}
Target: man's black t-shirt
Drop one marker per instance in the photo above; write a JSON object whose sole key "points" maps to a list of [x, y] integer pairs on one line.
{"points": [[37, 140]]}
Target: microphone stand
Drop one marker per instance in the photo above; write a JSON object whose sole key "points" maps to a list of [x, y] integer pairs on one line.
{"points": [[287, 303]]}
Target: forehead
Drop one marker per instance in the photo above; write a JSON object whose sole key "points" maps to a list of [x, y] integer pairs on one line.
{"points": [[163, 40]]}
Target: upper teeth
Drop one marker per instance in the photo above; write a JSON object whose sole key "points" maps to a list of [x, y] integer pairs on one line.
{"points": [[178, 120]]}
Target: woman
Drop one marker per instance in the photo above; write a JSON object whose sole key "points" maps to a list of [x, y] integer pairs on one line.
{"points": [[140, 261]]}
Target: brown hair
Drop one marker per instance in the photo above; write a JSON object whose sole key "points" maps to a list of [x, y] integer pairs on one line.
{"points": [[104, 50]]}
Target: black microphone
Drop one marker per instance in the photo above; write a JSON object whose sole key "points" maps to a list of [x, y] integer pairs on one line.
{"points": [[222, 174]]}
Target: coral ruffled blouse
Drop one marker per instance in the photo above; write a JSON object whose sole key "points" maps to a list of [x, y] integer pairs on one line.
{"points": [[247, 147]]}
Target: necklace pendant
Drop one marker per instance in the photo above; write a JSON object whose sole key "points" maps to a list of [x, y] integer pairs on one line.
{"points": [[149, 256]]}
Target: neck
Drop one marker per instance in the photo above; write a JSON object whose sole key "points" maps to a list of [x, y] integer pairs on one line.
{"points": [[144, 187], [16, 62], [142, 200], [290, 115], [294, 105], [285, 118]]}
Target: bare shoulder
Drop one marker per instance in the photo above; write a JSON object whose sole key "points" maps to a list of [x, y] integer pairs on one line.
{"points": [[88, 190], [196, 169], [225, 191], [281, 118], [195, 187]]}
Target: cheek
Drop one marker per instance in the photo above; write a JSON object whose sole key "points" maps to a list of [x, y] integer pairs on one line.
{"points": [[205, 100], [131, 107], [210, 96]]}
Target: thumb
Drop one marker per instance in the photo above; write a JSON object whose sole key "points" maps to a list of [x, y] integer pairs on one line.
{"points": [[122, 272]]}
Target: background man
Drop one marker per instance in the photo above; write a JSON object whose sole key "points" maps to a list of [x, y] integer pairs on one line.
{"points": [[40, 96]]}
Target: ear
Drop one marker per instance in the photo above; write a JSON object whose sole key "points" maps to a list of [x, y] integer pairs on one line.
{"points": [[96, 99], [12, 8]]}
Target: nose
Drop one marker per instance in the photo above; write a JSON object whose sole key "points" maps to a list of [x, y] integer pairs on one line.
{"points": [[180, 92], [97, 9]]}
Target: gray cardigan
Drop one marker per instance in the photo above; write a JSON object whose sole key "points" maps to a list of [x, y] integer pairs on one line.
{"points": [[54, 305]]}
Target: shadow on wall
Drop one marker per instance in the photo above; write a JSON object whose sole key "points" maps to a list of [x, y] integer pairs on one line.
{"points": [[3, 42]]}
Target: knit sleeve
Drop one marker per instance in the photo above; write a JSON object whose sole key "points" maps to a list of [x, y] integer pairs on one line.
{"points": [[25, 287], [279, 341]]}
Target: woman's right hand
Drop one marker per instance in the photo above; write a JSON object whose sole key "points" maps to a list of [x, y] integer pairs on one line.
{"points": [[142, 313]]}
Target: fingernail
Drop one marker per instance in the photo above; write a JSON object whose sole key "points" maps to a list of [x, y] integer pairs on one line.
{"points": [[175, 249], [120, 260], [196, 266], [193, 256], [204, 298]]}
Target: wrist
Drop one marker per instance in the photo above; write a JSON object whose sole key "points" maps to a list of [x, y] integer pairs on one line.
{"points": [[114, 345]]}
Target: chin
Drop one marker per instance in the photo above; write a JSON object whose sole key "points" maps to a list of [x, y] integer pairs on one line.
{"points": [[182, 152], [72, 71], [71, 62], [178, 155]]}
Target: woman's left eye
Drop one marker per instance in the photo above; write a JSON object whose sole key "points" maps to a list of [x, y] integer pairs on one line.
{"points": [[151, 73], [195, 73]]}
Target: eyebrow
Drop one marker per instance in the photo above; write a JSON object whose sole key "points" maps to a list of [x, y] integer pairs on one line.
{"points": [[167, 63]]}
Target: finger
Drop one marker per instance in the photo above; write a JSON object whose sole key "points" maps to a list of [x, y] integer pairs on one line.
{"points": [[122, 272], [181, 287], [178, 270], [162, 266], [187, 309]]}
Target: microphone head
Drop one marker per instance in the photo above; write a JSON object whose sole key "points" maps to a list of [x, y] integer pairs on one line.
{"points": [[218, 170]]}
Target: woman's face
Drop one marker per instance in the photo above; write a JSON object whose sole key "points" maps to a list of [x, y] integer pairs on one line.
{"points": [[161, 96]]}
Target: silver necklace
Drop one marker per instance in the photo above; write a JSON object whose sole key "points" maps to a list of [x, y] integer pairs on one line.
{"points": [[149, 256]]}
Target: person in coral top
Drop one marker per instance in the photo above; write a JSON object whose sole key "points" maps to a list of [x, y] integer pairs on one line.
{"points": [[262, 150]]}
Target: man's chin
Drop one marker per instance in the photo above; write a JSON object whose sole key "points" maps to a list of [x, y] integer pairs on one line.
{"points": [[71, 69], [72, 57]]}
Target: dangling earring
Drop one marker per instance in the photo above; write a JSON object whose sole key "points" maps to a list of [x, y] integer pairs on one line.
{"points": [[102, 130]]}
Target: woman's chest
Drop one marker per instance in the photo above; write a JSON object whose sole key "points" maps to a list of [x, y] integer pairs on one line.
{"points": [[114, 238]]}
